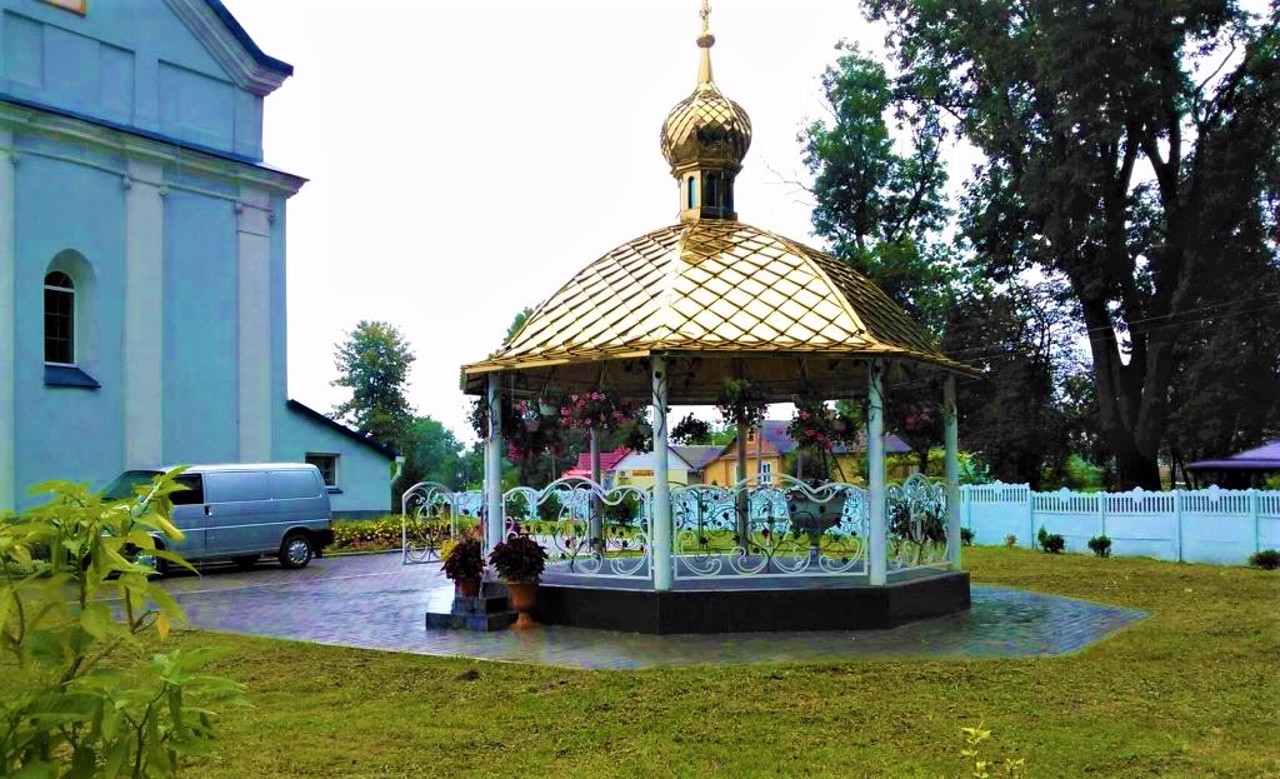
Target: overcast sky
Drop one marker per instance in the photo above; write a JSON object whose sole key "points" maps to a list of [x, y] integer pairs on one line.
{"points": [[467, 158]]}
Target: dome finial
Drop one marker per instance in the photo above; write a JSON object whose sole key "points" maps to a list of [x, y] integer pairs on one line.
{"points": [[705, 42]]}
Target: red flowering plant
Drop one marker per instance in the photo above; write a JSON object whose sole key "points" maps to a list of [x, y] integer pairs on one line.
{"points": [[816, 427], [741, 402], [531, 434], [597, 410]]}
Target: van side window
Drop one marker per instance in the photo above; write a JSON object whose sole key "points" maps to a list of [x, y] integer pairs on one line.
{"points": [[237, 486], [294, 484], [193, 495]]}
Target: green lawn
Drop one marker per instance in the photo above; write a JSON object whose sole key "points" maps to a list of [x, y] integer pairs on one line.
{"points": [[1193, 691]]}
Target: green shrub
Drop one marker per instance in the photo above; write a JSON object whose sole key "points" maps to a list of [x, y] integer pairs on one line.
{"points": [[1101, 546], [623, 512], [1267, 559], [72, 624], [1011, 541], [966, 536], [1050, 542], [549, 509]]}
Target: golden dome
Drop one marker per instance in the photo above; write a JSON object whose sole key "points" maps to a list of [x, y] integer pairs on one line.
{"points": [[706, 129], [718, 291]]}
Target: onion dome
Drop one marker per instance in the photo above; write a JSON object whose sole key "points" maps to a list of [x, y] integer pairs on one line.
{"points": [[705, 138]]}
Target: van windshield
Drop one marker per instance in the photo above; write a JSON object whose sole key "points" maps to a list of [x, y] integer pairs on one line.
{"points": [[123, 485]]}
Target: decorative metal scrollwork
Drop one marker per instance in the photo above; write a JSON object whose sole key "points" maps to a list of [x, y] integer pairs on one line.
{"points": [[586, 530], [789, 529], [428, 519], [917, 524]]}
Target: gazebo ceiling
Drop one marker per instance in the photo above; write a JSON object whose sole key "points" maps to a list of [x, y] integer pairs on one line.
{"points": [[732, 299]]}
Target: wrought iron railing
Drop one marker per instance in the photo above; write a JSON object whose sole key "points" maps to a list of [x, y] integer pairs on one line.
{"points": [[789, 528]]}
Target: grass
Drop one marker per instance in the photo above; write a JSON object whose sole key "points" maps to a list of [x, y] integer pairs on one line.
{"points": [[1192, 691]]}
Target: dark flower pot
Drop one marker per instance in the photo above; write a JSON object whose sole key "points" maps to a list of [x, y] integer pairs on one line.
{"points": [[467, 588], [522, 596]]}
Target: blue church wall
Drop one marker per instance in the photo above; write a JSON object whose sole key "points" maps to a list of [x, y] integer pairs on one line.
{"points": [[279, 317], [200, 330], [134, 63], [363, 475], [66, 432]]}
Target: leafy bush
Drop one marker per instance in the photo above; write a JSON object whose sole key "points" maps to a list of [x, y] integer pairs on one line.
{"points": [[519, 559], [465, 560], [623, 512], [1267, 559], [966, 536], [367, 534], [1101, 546], [1011, 541], [71, 623], [518, 506], [549, 509], [1050, 542]]}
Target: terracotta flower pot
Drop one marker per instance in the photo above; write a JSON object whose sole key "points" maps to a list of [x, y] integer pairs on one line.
{"points": [[467, 588], [522, 596]]}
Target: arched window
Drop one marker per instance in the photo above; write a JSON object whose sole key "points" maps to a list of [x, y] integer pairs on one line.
{"points": [[693, 192], [711, 191], [59, 319]]}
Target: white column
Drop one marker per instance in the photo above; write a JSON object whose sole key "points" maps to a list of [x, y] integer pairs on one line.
{"points": [[661, 521], [951, 438], [878, 560], [253, 232], [596, 528], [8, 313], [144, 316], [495, 527]]}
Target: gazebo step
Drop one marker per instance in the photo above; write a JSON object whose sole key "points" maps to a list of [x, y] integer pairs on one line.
{"points": [[481, 621]]}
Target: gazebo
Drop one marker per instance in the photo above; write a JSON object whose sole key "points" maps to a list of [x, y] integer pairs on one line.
{"points": [[666, 319]]}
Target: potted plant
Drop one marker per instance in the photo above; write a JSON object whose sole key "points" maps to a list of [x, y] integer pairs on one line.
{"points": [[520, 561], [464, 564], [597, 410]]}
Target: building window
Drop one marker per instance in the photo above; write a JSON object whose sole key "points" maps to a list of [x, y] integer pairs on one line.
{"points": [[693, 192], [328, 465], [59, 319], [766, 472], [711, 192]]}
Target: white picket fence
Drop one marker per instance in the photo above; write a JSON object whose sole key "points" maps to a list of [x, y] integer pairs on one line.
{"points": [[1198, 526]]}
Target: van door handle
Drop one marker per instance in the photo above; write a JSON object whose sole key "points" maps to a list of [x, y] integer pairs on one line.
{"points": [[208, 511]]}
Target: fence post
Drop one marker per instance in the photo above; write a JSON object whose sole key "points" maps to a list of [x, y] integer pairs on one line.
{"points": [[1102, 513], [1177, 519], [1031, 518], [1254, 499]]}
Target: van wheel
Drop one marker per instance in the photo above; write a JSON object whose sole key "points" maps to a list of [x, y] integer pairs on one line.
{"points": [[246, 562], [296, 551]]}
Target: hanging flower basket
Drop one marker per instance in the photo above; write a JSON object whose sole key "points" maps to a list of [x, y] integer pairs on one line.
{"points": [[817, 427], [741, 402], [597, 410]]}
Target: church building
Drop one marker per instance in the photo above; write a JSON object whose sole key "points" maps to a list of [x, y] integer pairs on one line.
{"points": [[142, 253]]}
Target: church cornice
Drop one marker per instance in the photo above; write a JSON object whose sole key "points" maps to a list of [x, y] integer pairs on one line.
{"points": [[127, 143], [228, 43]]}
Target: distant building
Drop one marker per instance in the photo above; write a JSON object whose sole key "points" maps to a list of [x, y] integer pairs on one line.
{"points": [[142, 253], [771, 451]]}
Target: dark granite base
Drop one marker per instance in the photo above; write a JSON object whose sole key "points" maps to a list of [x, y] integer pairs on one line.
{"points": [[488, 612], [763, 609]]}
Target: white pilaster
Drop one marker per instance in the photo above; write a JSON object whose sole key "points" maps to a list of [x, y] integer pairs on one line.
{"points": [[8, 346], [951, 439], [495, 527], [144, 316], [661, 521], [878, 557], [255, 325]]}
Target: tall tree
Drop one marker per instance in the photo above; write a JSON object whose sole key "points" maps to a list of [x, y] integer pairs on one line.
{"points": [[1124, 141], [374, 364], [879, 208]]}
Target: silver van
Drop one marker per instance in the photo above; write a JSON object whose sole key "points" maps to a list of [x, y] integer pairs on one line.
{"points": [[243, 512]]}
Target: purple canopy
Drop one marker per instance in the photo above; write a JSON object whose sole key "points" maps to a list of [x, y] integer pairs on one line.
{"points": [[1263, 458]]}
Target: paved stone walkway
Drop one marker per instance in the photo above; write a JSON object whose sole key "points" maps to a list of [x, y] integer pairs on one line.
{"points": [[374, 602]]}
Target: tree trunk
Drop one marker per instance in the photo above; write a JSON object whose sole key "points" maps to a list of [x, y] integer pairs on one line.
{"points": [[922, 456]]}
